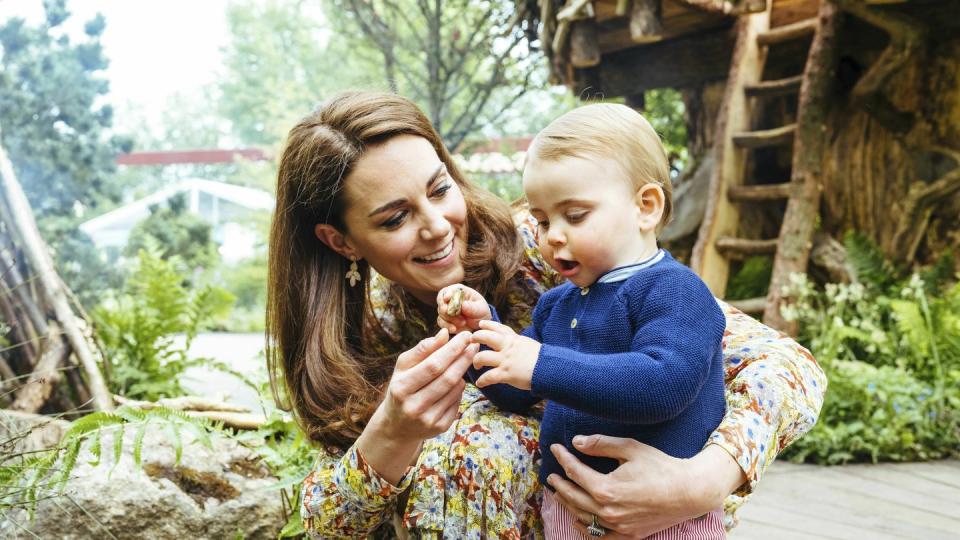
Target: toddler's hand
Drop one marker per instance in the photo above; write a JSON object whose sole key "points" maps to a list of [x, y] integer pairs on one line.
{"points": [[511, 356], [461, 308]]}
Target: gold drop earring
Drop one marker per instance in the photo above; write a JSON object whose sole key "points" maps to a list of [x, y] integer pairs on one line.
{"points": [[353, 274]]}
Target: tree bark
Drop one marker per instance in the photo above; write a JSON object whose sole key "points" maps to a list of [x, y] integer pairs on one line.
{"points": [[799, 221], [38, 387]]}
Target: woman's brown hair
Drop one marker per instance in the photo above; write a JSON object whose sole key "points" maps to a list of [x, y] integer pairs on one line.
{"points": [[319, 329]]}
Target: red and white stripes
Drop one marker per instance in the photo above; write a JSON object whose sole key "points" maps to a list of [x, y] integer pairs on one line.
{"points": [[558, 524]]}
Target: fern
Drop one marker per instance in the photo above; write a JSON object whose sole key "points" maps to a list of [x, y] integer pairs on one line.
{"points": [[869, 263], [27, 479], [139, 326]]}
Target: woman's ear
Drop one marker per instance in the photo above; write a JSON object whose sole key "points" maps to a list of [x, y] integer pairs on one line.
{"points": [[650, 201], [335, 240]]}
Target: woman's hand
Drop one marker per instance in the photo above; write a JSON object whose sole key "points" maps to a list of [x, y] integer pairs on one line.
{"points": [[422, 400], [461, 308], [648, 492]]}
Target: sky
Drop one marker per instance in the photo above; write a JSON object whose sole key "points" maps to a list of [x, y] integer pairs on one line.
{"points": [[155, 47]]}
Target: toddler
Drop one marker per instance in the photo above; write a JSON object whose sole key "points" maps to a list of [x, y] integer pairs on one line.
{"points": [[630, 345]]}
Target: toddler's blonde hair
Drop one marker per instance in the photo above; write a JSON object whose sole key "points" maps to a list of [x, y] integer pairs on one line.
{"points": [[611, 131]]}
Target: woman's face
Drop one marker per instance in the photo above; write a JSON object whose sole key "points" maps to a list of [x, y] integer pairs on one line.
{"points": [[406, 216]]}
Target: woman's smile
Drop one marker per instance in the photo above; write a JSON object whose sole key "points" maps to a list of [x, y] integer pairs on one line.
{"points": [[437, 258]]}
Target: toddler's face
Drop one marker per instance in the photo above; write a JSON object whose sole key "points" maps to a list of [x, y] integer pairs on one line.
{"points": [[590, 219]]}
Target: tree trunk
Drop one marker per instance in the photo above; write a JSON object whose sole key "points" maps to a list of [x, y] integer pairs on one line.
{"points": [[890, 164]]}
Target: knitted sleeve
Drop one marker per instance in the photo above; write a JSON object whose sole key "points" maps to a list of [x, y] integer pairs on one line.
{"points": [[505, 396], [677, 332]]}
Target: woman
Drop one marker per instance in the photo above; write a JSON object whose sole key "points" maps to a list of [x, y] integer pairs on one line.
{"points": [[373, 218]]}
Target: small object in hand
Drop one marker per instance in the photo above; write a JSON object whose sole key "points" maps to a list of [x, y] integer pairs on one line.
{"points": [[595, 529], [453, 308]]}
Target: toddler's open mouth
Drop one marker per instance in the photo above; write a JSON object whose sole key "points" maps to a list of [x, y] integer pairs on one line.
{"points": [[567, 266]]}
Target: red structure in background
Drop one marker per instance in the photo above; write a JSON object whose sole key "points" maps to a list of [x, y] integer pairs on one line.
{"points": [[177, 157]]}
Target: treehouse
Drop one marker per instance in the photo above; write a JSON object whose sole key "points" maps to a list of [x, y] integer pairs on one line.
{"points": [[805, 120]]}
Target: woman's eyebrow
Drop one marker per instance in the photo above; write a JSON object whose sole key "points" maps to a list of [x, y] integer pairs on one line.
{"points": [[400, 202]]}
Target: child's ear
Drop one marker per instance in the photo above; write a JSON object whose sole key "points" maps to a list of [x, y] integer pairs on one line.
{"points": [[650, 201], [335, 240]]}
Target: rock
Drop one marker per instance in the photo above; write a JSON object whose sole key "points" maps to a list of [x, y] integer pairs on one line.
{"points": [[215, 493], [28, 432]]}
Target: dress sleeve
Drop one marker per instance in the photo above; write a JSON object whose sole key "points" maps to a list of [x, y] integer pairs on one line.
{"points": [[774, 391], [345, 497]]}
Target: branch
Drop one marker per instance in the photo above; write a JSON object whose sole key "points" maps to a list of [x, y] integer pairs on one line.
{"points": [[920, 203], [231, 415], [906, 36], [31, 397], [21, 223], [480, 97]]}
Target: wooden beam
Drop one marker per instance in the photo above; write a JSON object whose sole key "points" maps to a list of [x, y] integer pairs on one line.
{"points": [[676, 63], [765, 137], [799, 221], [584, 51], [777, 87], [38, 387], [744, 247], [173, 157], [764, 192], [750, 306], [789, 32], [645, 25]]}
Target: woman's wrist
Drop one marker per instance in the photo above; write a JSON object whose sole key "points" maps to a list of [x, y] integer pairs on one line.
{"points": [[389, 453], [714, 474]]}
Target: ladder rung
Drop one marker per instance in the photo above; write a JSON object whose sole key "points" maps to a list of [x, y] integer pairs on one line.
{"points": [[762, 192], [734, 247], [787, 32], [765, 137], [749, 305], [777, 87]]}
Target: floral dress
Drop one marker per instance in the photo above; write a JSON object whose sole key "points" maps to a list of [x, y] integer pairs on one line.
{"points": [[479, 478]]}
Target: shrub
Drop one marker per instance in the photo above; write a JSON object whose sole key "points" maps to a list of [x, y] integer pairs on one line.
{"points": [[891, 349], [147, 328]]}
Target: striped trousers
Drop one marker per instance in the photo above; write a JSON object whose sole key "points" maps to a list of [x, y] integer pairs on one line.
{"points": [[558, 524]]}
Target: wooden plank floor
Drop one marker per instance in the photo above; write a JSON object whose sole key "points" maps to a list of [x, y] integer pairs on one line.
{"points": [[886, 501]]}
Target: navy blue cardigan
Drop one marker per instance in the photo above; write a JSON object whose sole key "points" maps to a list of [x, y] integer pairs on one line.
{"points": [[637, 354]]}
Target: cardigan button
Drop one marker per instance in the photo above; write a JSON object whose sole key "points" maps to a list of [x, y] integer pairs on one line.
{"points": [[584, 291], [573, 323]]}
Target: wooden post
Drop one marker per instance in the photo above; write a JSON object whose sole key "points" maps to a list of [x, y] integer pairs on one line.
{"points": [[584, 50], [645, 23], [38, 387], [21, 224], [799, 221]]}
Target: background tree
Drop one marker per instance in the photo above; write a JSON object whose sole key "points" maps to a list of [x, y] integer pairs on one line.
{"points": [[171, 230], [466, 63], [55, 124], [56, 132]]}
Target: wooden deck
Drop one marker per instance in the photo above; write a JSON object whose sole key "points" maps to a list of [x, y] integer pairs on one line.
{"points": [[909, 500]]}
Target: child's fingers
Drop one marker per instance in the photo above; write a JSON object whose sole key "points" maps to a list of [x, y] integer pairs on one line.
{"points": [[494, 340], [485, 359], [494, 326], [442, 323], [491, 377]]}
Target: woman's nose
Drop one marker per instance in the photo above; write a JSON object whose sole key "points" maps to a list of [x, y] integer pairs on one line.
{"points": [[435, 225]]}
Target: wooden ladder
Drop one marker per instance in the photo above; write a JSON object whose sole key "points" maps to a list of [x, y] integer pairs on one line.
{"points": [[720, 239]]}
